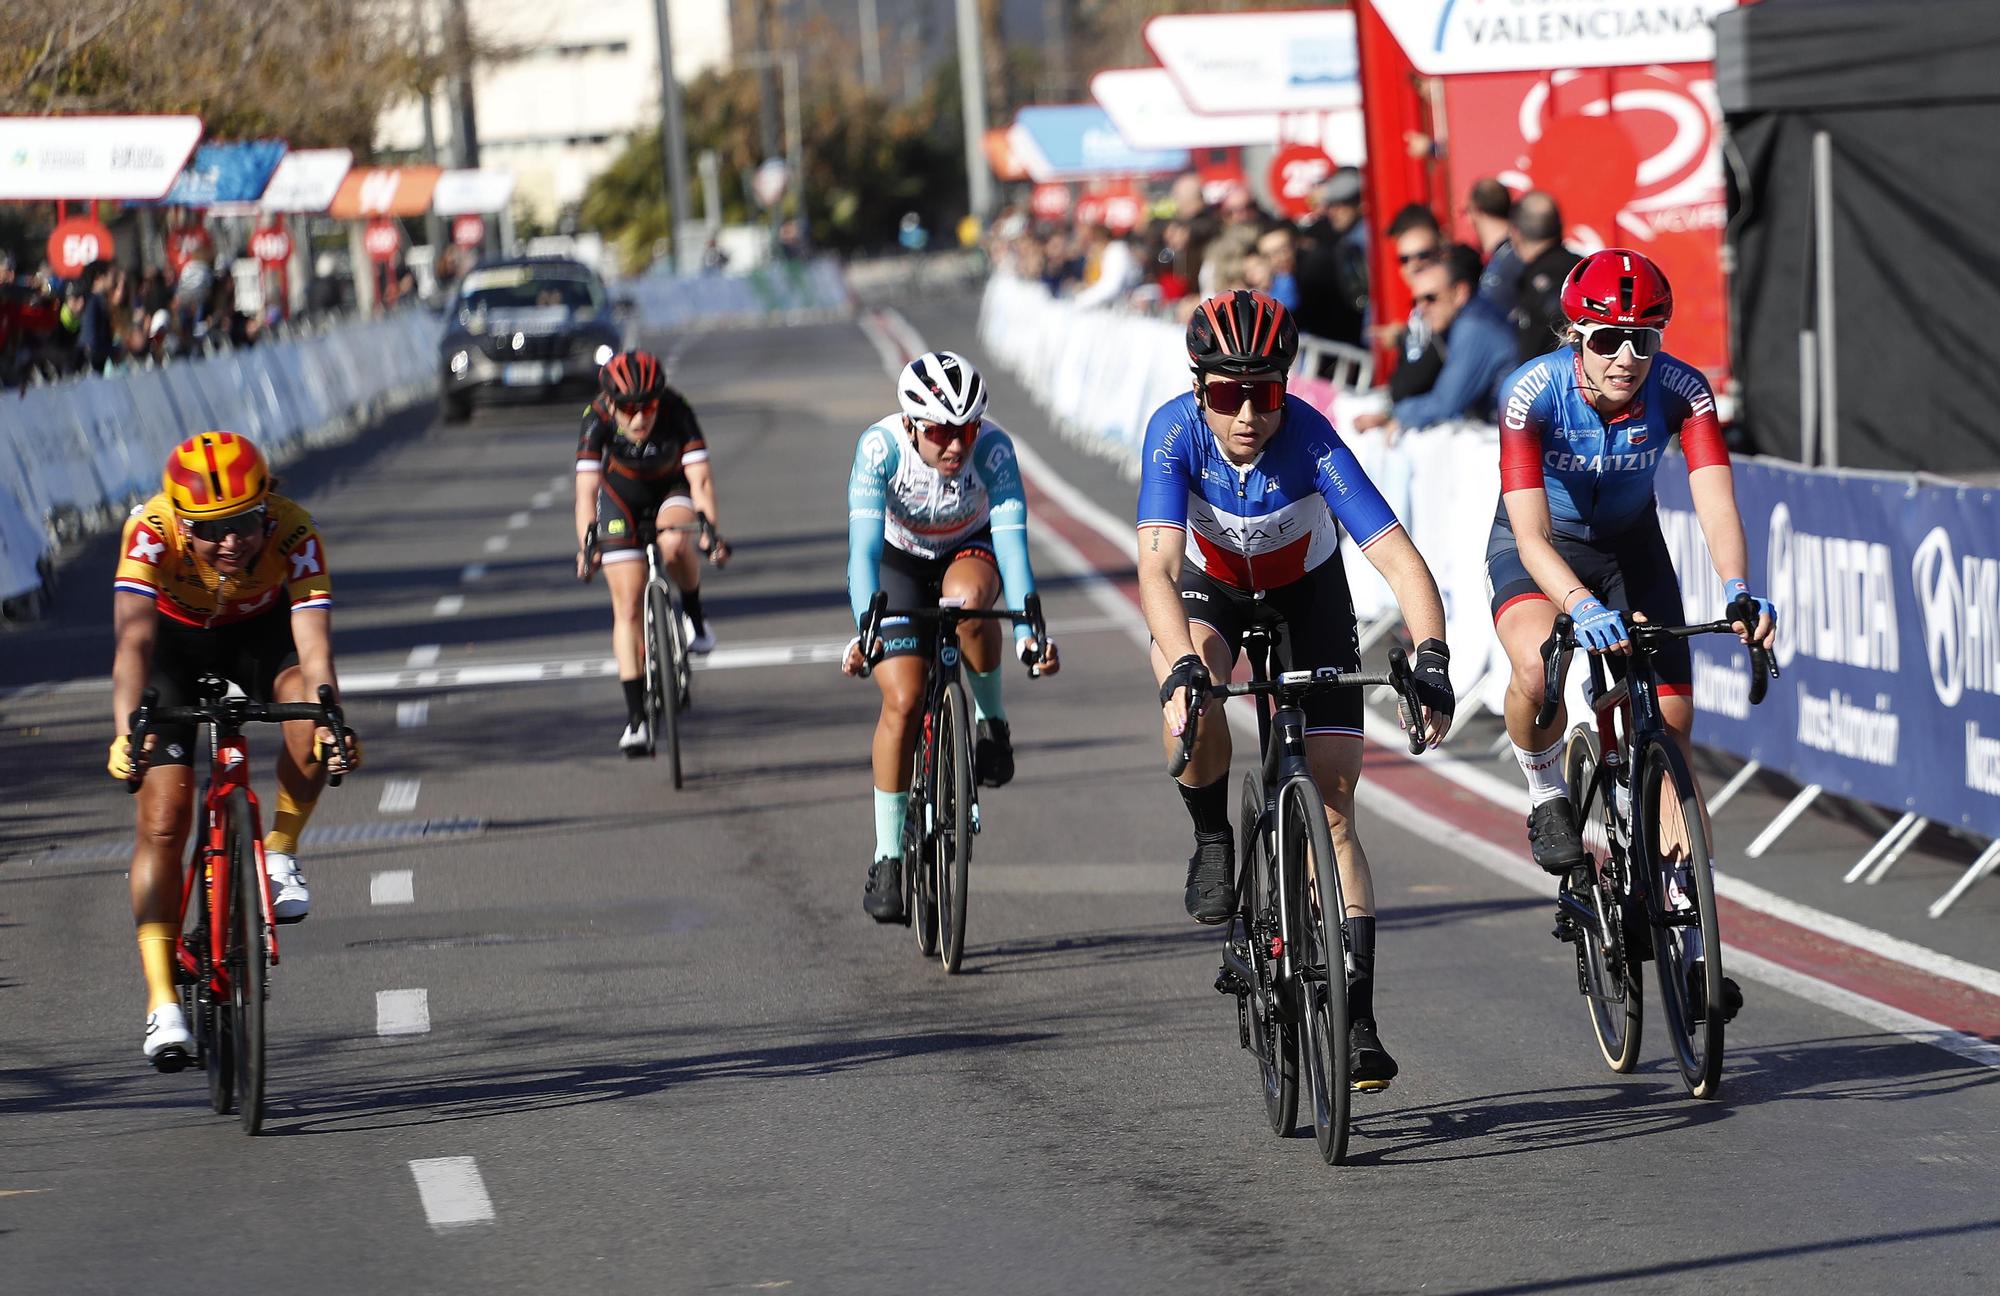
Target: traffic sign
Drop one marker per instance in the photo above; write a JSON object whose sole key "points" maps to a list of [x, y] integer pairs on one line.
{"points": [[468, 230], [271, 245], [77, 242], [1049, 202], [382, 240], [1297, 170]]}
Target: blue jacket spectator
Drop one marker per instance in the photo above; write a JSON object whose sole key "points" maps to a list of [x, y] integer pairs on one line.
{"points": [[1477, 342]]}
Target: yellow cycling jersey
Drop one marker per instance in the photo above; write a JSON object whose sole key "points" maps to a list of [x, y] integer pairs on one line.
{"points": [[156, 559]]}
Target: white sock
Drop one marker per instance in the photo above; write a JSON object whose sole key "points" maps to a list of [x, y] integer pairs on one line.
{"points": [[1544, 771]]}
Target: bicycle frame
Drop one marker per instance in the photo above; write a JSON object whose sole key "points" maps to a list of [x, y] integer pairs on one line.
{"points": [[229, 769]]}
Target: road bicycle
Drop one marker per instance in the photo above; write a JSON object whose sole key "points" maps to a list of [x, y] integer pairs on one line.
{"points": [[943, 814], [1288, 933], [228, 941], [1648, 888]]}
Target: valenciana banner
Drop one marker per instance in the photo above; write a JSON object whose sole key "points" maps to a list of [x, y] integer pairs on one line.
{"points": [[1888, 595]]}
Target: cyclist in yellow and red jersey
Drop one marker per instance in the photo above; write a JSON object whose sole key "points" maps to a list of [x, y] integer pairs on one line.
{"points": [[216, 575]]}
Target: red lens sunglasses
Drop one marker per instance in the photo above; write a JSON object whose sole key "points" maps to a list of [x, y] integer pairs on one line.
{"points": [[1226, 395]]}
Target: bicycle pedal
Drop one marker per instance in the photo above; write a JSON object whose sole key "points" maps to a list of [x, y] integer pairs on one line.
{"points": [[1566, 929], [172, 1061], [1227, 982], [974, 816], [1369, 1086]]}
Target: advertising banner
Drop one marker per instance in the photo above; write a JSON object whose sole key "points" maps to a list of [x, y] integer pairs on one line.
{"points": [[306, 180], [1078, 142], [1446, 37], [1888, 597], [1149, 112], [1300, 60], [226, 173], [56, 158], [479, 193], [384, 191]]}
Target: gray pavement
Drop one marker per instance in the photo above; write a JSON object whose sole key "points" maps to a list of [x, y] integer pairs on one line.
{"points": [[682, 1060]]}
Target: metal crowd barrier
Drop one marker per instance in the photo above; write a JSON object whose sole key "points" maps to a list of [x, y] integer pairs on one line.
{"points": [[781, 292]]}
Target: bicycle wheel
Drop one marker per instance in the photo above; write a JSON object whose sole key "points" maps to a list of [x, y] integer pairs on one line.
{"points": [[248, 956], [1273, 1040], [1609, 976], [953, 790], [1687, 946], [1305, 847], [919, 831], [662, 672]]}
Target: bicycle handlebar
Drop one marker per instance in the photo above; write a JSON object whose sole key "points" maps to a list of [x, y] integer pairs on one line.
{"points": [[707, 538], [947, 617], [1649, 638], [231, 714], [1296, 684]]}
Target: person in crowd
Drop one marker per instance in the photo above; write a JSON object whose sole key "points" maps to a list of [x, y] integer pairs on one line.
{"points": [[1222, 267], [1418, 242], [1333, 262], [1488, 207], [1060, 264], [1172, 270], [1277, 249], [1110, 270], [1474, 339], [1239, 207], [1536, 233], [1186, 196]]}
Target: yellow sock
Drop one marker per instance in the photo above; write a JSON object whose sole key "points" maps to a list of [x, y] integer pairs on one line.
{"points": [[156, 956], [286, 825]]}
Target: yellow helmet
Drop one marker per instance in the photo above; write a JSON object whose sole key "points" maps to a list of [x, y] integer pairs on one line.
{"points": [[215, 475]]}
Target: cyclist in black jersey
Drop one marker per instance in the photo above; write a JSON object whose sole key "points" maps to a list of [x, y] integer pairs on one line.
{"points": [[641, 464]]}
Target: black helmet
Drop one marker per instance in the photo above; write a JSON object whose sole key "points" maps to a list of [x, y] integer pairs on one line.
{"points": [[1242, 332]]}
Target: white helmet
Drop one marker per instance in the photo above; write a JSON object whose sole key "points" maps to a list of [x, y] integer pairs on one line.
{"points": [[942, 387]]}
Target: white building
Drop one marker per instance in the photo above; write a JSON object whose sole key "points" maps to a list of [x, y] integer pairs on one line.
{"points": [[586, 79]]}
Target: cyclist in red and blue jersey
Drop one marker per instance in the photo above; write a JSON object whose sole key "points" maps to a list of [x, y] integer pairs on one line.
{"points": [[1583, 430], [1243, 496]]}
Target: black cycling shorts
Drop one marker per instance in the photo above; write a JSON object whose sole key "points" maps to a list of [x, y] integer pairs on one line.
{"points": [[1316, 618], [1631, 572], [249, 654], [628, 510], [913, 582]]}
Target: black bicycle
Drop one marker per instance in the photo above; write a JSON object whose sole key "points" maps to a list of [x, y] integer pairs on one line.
{"points": [[943, 814], [1288, 932], [1648, 890]]}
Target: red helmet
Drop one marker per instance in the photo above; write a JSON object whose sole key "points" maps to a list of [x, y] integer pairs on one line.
{"points": [[1242, 332], [632, 378], [1618, 286]]}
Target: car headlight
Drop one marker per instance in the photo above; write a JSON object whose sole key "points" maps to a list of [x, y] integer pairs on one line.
{"points": [[603, 355], [459, 362], [520, 340]]}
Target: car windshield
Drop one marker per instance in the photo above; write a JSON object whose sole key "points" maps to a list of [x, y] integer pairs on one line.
{"points": [[508, 288]]}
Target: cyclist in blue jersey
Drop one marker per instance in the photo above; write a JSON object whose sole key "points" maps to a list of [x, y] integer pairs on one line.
{"points": [[1582, 433], [1243, 494], [934, 509]]}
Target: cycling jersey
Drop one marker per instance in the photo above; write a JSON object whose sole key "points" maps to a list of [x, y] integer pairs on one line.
{"points": [[674, 442], [894, 498], [156, 559], [1598, 474], [1266, 523]]}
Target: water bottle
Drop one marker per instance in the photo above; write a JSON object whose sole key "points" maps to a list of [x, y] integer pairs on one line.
{"points": [[1621, 788]]}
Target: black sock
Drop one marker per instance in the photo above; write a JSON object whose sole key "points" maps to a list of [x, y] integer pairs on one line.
{"points": [[635, 697], [1361, 986], [1208, 806], [691, 600]]}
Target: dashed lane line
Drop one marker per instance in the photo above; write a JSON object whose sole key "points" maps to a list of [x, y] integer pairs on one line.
{"points": [[449, 605], [542, 499], [497, 544], [402, 1012], [392, 887], [399, 795], [117, 850], [453, 1194], [423, 655], [515, 521], [413, 715], [471, 572]]}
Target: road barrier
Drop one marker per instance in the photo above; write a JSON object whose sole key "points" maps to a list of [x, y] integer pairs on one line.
{"points": [[1887, 585], [75, 456], [781, 292]]}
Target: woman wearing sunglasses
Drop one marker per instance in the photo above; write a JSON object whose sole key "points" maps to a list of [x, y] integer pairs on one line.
{"points": [[1582, 431], [641, 464], [216, 575], [934, 508], [1243, 495]]}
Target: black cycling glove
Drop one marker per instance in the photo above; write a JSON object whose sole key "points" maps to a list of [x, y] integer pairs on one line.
{"points": [[1188, 672], [1430, 677]]}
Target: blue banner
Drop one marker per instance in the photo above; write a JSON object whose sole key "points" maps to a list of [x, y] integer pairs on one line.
{"points": [[1078, 142], [1888, 597], [225, 173]]}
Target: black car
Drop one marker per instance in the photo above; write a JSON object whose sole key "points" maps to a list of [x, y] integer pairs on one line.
{"points": [[534, 326]]}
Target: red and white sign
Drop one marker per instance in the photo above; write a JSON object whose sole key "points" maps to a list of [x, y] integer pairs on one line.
{"points": [[384, 191], [271, 245], [77, 242], [468, 230], [1297, 170], [62, 158], [1049, 202], [189, 243], [382, 239], [1117, 208], [1295, 60]]}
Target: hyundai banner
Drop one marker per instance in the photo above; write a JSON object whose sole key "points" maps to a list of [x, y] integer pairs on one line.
{"points": [[226, 173], [1888, 598]]}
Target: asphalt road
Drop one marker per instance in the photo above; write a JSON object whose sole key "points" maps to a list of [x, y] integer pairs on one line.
{"points": [[680, 1059]]}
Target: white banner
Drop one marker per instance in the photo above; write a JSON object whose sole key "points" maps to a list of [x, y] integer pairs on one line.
{"points": [[1447, 36], [1232, 63], [306, 180], [93, 157], [1146, 107], [472, 193]]}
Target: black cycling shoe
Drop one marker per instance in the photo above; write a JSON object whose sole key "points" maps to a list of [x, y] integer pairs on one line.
{"points": [[1553, 837], [1369, 1066], [883, 898], [994, 757], [1211, 878], [1732, 995]]}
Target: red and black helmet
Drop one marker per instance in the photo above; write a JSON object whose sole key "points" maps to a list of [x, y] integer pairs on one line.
{"points": [[1242, 332], [632, 378], [1618, 286]]}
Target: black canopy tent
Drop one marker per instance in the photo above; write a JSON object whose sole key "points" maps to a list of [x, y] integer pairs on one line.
{"points": [[1864, 200]]}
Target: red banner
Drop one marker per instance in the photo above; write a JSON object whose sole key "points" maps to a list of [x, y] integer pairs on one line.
{"points": [[1297, 170], [75, 243], [271, 245]]}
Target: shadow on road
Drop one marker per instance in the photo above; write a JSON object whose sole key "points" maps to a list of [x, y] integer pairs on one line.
{"points": [[1089, 949]]}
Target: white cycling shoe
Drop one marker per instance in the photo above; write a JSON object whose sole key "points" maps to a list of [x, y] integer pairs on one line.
{"points": [[290, 900], [168, 1040], [704, 642], [637, 740]]}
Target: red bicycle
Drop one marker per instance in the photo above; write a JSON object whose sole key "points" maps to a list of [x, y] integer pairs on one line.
{"points": [[228, 941]]}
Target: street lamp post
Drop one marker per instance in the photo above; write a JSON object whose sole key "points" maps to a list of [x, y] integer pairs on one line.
{"points": [[787, 62], [673, 142], [972, 107]]}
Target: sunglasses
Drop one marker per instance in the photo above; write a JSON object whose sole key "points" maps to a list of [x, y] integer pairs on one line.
{"points": [[1609, 339], [1412, 258], [216, 530], [1429, 299], [1226, 395], [648, 408], [944, 434]]}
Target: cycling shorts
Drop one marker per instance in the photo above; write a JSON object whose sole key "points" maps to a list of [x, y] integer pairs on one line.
{"points": [[628, 511], [249, 654], [1315, 617], [913, 582], [1630, 572]]}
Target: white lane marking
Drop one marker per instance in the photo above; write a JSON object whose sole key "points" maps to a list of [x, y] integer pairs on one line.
{"points": [[557, 482], [453, 1194], [471, 572], [1509, 864], [399, 795], [392, 887], [423, 655], [402, 1012], [542, 499], [449, 605], [413, 715], [497, 544], [515, 521]]}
